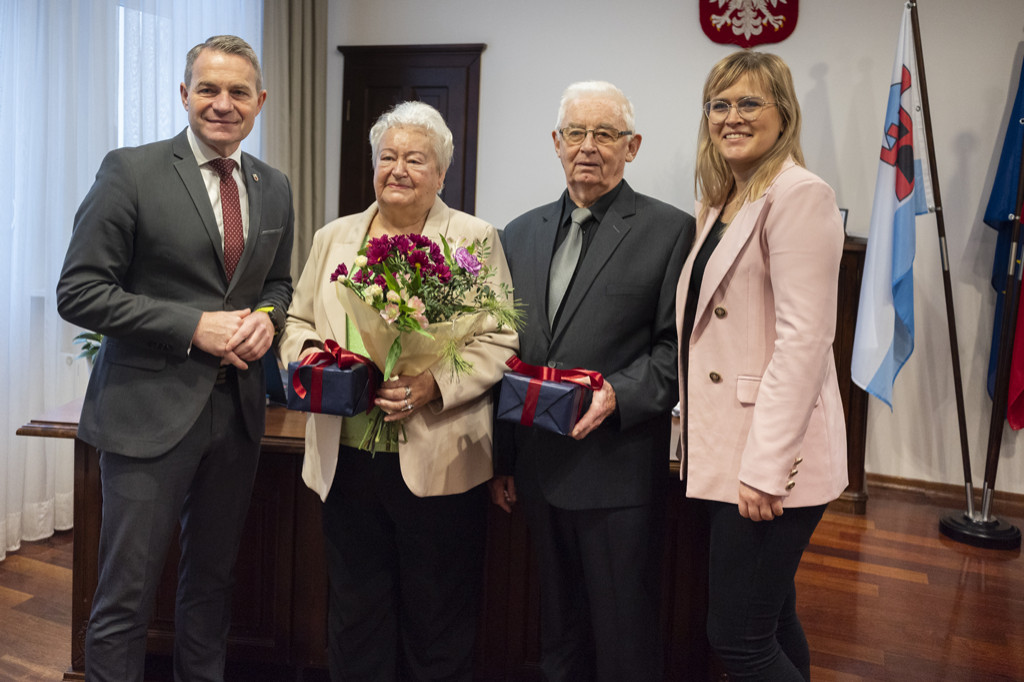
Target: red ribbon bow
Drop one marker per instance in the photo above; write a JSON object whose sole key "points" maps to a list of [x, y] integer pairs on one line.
{"points": [[537, 374], [332, 354]]}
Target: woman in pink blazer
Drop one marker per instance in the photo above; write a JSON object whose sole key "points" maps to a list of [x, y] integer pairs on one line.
{"points": [[763, 433]]}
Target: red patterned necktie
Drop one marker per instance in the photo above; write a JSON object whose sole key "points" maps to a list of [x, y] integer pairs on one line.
{"points": [[231, 212]]}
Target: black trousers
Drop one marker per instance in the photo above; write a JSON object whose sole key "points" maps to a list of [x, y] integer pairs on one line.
{"points": [[600, 591], [752, 620], [405, 574], [204, 483]]}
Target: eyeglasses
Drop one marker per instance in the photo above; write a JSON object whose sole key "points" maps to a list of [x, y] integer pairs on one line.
{"points": [[748, 108], [603, 136]]}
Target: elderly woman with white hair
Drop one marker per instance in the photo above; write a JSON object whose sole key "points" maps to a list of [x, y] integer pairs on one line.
{"points": [[404, 531]]}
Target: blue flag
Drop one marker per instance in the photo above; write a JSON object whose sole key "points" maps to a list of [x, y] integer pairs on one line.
{"points": [[884, 338], [1001, 205]]}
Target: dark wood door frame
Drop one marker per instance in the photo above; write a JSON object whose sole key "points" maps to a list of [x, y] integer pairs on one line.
{"points": [[377, 77]]}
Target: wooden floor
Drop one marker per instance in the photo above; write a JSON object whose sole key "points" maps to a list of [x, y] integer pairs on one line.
{"points": [[886, 597], [35, 610], [882, 597]]}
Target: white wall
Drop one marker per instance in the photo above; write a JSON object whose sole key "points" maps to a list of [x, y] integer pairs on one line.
{"points": [[841, 56]]}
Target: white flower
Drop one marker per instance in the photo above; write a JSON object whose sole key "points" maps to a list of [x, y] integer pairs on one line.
{"points": [[361, 261]]}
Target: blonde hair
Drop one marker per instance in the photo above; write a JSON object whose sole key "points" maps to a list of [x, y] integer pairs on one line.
{"points": [[714, 179]]}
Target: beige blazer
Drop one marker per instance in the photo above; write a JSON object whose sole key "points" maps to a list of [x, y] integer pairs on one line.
{"points": [[449, 443], [762, 398]]}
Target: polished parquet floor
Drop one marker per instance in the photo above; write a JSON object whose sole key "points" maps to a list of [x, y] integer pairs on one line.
{"points": [[882, 596]]}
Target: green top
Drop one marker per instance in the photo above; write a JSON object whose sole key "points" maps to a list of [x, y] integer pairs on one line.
{"points": [[353, 428]]}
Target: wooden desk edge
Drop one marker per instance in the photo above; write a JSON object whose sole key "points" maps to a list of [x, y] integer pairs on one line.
{"points": [[286, 429]]}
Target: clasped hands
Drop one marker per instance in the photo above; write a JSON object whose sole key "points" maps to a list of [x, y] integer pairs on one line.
{"points": [[237, 337]]}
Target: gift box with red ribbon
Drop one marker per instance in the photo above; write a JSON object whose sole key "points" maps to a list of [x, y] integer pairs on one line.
{"points": [[547, 398], [333, 381]]}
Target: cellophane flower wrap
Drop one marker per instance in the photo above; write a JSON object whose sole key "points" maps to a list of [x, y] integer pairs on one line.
{"points": [[415, 303]]}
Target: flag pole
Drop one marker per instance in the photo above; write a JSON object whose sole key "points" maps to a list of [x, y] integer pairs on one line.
{"points": [[966, 527], [940, 224], [1006, 336], [985, 530]]}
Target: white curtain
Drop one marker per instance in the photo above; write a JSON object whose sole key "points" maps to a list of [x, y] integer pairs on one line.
{"points": [[77, 78]]}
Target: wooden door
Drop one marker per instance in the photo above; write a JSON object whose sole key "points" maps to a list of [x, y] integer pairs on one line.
{"points": [[376, 77]]}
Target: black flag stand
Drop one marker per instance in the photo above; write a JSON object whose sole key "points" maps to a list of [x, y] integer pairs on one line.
{"points": [[985, 530], [969, 527]]}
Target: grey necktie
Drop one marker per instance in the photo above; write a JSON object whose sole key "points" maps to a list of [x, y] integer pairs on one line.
{"points": [[564, 262]]}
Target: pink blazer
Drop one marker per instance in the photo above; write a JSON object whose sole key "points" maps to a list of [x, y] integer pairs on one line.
{"points": [[762, 399]]}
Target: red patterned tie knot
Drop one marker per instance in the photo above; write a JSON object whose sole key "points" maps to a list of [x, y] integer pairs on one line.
{"points": [[224, 167]]}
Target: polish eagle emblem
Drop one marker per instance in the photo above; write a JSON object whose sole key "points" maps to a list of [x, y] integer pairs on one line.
{"points": [[748, 22]]}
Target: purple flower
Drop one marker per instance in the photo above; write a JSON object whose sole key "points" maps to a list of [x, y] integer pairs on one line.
{"points": [[419, 258], [435, 254], [340, 271], [402, 244], [467, 261], [419, 241], [378, 250], [442, 273]]}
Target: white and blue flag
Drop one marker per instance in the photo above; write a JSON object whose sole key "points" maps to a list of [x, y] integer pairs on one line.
{"points": [[885, 320]]}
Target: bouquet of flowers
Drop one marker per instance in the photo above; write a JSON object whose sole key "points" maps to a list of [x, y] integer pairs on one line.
{"points": [[415, 302]]}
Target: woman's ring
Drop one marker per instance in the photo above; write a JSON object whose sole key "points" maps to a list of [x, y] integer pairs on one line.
{"points": [[408, 392], [408, 406]]}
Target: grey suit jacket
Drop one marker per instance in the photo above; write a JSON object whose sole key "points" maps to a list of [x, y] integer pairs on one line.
{"points": [[618, 319], [145, 261]]}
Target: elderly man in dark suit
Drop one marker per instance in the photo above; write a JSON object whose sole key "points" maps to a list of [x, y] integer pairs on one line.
{"points": [[599, 289], [180, 257]]}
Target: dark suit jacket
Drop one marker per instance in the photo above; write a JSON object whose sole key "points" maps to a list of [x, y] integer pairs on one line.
{"points": [[145, 261], [618, 319]]}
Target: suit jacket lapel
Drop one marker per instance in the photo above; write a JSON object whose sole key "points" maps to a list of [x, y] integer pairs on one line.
{"points": [[254, 190], [539, 261], [188, 170], [437, 221], [736, 236], [740, 231], [614, 228]]}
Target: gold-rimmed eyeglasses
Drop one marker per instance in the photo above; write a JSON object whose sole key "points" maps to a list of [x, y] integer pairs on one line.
{"points": [[603, 136], [748, 108]]}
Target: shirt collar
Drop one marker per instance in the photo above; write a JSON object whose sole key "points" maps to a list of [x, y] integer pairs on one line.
{"points": [[597, 210], [204, 153]]}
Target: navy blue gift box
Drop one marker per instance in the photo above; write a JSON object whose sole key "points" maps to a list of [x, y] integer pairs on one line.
{"points": [[329, 389], [551, 405]]}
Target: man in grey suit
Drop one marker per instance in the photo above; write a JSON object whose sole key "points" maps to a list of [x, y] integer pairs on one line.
{"points": [[180, 258], [595, 502]]}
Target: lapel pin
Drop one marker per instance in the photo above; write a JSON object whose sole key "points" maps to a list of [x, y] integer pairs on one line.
{"points": [[255, 177]]}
